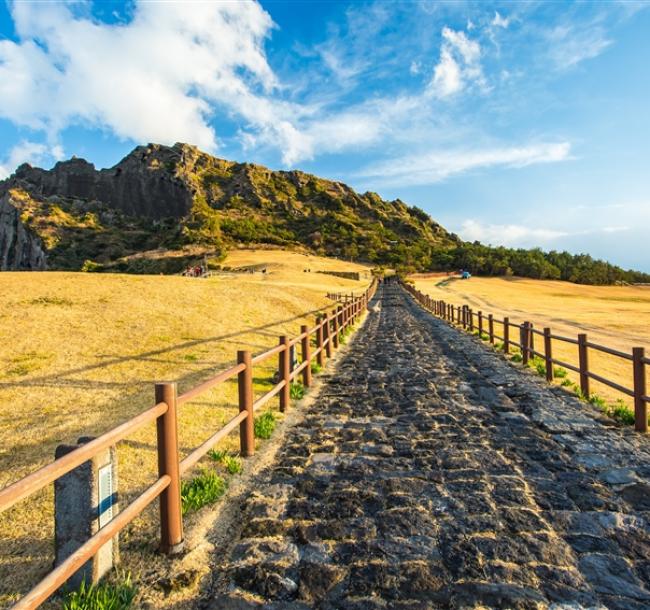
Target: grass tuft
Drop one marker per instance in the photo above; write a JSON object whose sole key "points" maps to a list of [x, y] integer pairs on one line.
{"points": [[516, 358], [102, 596], [203, 489], [560, 373], [231, 463], [296, 391], [265, 424], [316, 368]]}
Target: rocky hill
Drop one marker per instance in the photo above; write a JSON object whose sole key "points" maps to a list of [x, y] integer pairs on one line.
{"points": [[173, 198]]}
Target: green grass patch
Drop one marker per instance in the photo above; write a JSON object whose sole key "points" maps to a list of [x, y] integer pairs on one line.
{"points": [[265, 424], [205, 488], [190, 357], [296, 391], [621, 412], [102, 596], [598, 401], [233, 464], [217, 455], [540, 365], [516, 358], [560, 373], [567, 383], [316, 368]]}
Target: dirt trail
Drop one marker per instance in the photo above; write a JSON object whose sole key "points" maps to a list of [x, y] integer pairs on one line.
{"points": [[431, 473]]}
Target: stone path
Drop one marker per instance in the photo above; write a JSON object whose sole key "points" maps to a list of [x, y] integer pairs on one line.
{"points": [[431, 473]]}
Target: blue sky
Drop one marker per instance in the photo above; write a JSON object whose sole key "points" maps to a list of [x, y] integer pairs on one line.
{"points": [[523, 124]]}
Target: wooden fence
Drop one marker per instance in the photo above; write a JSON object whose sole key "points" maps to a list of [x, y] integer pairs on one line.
{"points": [[466, 318], [170, 467]]}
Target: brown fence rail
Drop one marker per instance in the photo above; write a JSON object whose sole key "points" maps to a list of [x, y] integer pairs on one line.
{"points": [[170, 467], [524, 335]]}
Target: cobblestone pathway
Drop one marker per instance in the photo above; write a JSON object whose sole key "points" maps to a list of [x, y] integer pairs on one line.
{"points": [[430, 473]]}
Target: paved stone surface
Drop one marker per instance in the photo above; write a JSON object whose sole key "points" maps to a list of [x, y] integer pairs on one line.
{"points": [[431, 473]]}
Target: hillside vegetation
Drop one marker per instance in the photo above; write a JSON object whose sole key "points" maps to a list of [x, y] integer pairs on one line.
{"points": [[82, 352], [161, 208]]}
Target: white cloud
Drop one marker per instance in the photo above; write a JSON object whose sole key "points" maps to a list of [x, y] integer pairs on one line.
{"points": [[415, 67], [524, 235], [159, 77], [506, 235], [435, 166], [569, 45], [499, 21], [459, 65], [26, 152]]}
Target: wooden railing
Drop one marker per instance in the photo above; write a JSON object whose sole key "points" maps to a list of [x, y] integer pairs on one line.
{"points": [[170, 468], [466, 318]]}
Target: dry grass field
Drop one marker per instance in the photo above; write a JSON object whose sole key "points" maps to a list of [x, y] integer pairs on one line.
{"points": [[614, 316], [80, 353]]}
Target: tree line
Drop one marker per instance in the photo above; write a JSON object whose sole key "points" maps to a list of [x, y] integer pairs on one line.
{"points": [[534, 263]]}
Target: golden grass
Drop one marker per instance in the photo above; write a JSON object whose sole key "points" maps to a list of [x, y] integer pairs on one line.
{"points": [[613, 316], [80, 354]]}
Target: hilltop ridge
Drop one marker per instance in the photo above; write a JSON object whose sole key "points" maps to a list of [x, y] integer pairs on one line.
{"points": [[175, 196]]}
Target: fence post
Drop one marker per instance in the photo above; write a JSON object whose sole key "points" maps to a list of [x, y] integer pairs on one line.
{"points": [[335, 332], [480, 324], [284, 370], [640, 405], [506, 335], [458, 315], [306, 355], [320, 357], [531, 339], [245, 387], [525, 342], [491, 327], [327, 334], [583, 357], [171, 514], [548, 354]]}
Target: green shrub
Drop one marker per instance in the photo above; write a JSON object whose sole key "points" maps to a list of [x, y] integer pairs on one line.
{"points": [[233, 464], [91, 266], [597, 401], [217, 456], [296, 391], [516, 358], [559, 372], [102, 596], [316, 368], [621, 412], [540, 366], [498, 346], [579, 394], [203, 489], [265, 424]]}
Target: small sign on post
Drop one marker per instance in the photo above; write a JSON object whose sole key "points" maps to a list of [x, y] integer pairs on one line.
{"points": [[85, 500]]}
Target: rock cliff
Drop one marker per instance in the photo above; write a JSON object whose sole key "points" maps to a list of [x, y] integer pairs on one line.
{"points": [[171, 197], [20, 248]]}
